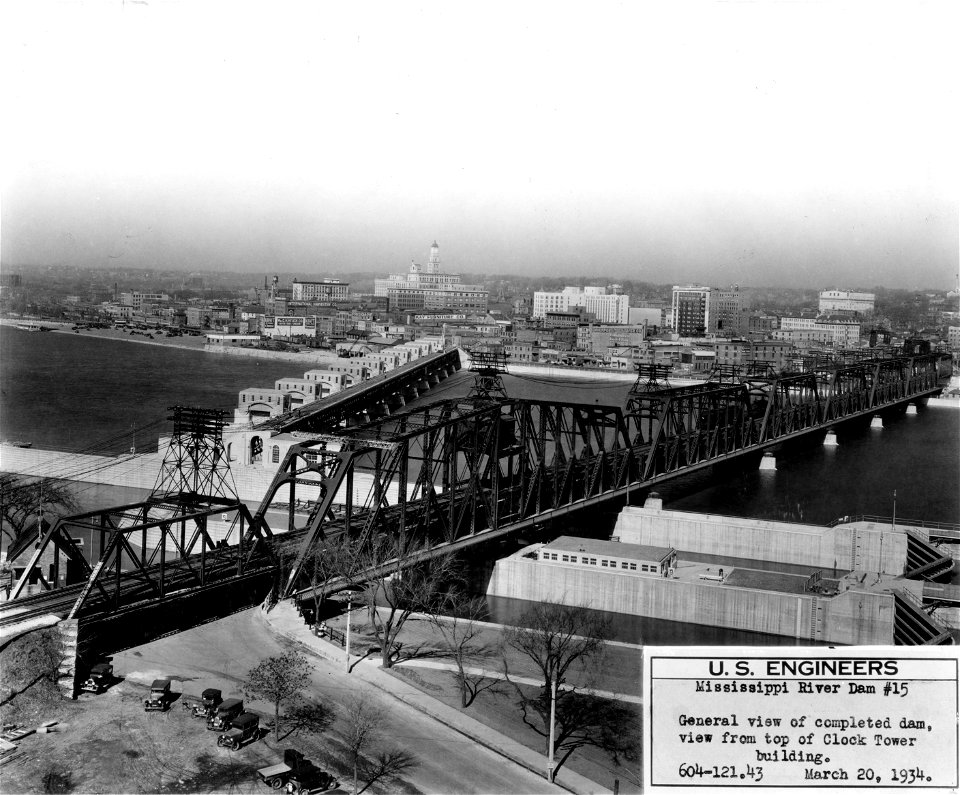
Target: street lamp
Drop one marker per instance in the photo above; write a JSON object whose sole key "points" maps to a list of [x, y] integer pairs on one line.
{"points": [[347, 644], [551, 763]]}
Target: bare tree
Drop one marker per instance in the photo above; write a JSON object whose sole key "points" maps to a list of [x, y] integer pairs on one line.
{"points": [[562, 640], [22, 497], [371, 763], [459, 631], [401, 586], [278, 679], [332, 560]]}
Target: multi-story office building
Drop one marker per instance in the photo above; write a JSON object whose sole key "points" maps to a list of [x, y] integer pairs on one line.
{"points": [[427, 287], [326, 290], [594, 300], [846, 301], [843, 333], [692, 309], [728, 311]]}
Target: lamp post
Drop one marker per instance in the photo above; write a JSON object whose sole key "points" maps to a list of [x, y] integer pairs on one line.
{"points": [[347, 643], [551, 763]]}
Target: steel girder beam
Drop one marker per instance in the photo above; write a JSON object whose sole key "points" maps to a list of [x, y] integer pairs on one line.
{"points": [[147, 548]]}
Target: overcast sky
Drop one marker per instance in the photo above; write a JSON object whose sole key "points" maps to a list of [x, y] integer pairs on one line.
{"points": [[794, 143]]}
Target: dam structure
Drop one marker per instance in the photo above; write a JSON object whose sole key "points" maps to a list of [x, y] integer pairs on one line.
{"points": [[855, 583]]}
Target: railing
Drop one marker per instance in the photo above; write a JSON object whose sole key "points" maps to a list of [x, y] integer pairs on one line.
{"points": [[890, 521]]}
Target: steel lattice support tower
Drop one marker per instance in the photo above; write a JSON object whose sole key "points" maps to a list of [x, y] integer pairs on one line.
{"points": [[196, 460], [489, 367]]}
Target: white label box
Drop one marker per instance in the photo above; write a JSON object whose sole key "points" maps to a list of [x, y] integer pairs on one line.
{"points": [[819, 717]]}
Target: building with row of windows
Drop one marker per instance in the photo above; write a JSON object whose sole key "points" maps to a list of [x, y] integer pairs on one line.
{"points": [[320, 292], [609, 555], [427, 287], [697, 311], [846, 301], [605, 308], [841, 332]]}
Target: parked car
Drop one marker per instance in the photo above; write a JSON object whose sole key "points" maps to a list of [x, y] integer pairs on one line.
{"points": [[210, 699], [227, 710], [309, 779], [242, 728], [100, 678], [276, 776], [160, 696]]}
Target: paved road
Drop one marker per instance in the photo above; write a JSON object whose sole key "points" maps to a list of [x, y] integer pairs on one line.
{"points": [[220, 654]]}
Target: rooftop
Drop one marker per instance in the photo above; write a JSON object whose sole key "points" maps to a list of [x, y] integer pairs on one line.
{"points": [[614, 549]]}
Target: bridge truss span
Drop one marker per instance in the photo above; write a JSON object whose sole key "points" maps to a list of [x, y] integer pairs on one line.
{"points": [[458, 471]]}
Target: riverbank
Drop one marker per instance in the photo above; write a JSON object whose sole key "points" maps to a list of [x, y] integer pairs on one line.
{"points": [[189, 343]]}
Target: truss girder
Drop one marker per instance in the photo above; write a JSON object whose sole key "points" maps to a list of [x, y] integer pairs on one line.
{"points": [[146, 549], [457, 468], [454, 469]]}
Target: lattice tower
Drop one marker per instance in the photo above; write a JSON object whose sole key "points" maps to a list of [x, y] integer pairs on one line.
{"points": [[488, 367], [196, 461], [650, 378]]}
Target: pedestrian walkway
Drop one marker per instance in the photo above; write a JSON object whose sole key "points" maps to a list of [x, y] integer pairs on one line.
{"points": [[285, 620], [520, 680]]}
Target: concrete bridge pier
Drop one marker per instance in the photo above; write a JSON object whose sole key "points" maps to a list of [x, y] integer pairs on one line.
{"points": [[768, 463], [423, 386], [830, 439], [378, 410], [876, 421], [358, 419], [911, 409]]}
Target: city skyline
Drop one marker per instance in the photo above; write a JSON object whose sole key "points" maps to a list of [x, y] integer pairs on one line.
{"points": [[788, 144]]}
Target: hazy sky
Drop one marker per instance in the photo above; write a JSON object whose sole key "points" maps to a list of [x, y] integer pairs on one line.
{"points": [[795, 143]]}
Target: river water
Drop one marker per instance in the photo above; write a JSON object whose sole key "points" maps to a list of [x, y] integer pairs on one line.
{"points": [[70, 392]]}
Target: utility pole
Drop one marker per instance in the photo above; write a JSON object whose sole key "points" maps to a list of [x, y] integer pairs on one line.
{"points": [[40, 515]]}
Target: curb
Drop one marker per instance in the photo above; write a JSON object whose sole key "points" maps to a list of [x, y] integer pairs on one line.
{"points": [[371, 677]]}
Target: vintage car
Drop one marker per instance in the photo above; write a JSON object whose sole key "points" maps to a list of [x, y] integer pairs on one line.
{"points": [[310, 779], [228, 709], [297, 774], [160, 696], [100, 678], [242, 728], [210, 699]]}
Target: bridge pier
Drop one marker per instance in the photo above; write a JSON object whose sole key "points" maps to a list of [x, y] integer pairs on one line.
{"points": [[876, 421], [911, 409], [830, 439], [768, 463]]}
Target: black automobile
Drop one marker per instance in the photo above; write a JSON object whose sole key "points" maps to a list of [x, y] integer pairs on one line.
{"points": [[242, 728], [100, 678], [210, 699], [160, 696], [228, 709]]}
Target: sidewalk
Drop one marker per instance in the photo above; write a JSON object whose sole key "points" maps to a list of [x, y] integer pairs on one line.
{"points": [[284, 620]]}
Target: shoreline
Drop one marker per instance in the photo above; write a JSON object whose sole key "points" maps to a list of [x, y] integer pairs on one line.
{"points": [[309, 357]]}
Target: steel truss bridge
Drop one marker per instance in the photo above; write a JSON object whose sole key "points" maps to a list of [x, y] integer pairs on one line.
{"points": [[441, 477]]}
